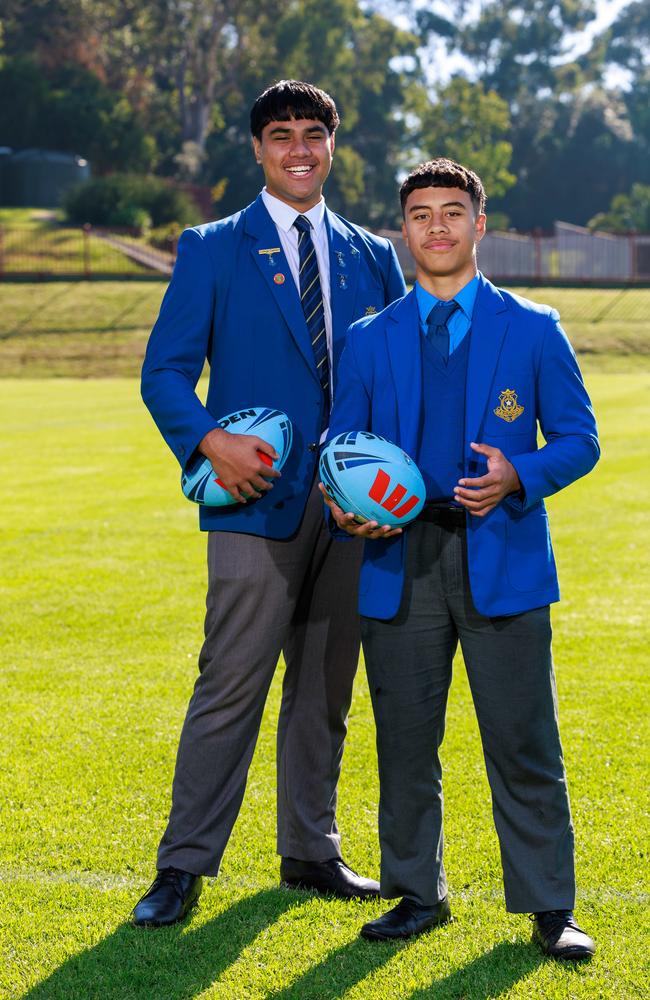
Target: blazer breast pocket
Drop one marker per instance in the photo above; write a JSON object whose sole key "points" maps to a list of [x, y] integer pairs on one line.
{"points": [[511, 406]]}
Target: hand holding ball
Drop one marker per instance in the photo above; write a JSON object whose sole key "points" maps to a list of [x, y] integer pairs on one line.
{"points": [[199, 481], [372, 478]]}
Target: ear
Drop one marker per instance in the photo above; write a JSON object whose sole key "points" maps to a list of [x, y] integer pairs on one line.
{"points": [[479, 226], [332, 143], [404, 235], [257, 149]]}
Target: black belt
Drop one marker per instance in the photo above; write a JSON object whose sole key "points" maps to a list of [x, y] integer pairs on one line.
{"points": [[446, 515]]}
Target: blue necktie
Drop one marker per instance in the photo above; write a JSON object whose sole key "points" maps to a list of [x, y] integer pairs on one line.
{"points": [[437, 331], [311, 297]]}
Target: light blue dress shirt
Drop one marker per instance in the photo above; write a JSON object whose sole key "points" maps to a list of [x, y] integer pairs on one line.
{"points": [[461, 320]]}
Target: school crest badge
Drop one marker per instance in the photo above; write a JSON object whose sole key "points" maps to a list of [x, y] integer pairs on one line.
{"points": [[508, 408], [370, 310]]}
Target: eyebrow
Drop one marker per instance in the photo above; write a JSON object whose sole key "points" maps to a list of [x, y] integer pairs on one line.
{"points": [[447, 204], [280, 130]]}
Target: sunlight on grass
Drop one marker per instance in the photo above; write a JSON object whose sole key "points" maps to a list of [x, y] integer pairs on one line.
{"points": [[102, 592]]}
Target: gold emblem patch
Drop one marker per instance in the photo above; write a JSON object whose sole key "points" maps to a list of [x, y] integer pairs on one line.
{"points": [[508, 408], [370, 310]]}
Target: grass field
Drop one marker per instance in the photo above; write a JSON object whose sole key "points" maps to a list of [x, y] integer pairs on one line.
{"points": [[100, 328], [102, 587]]}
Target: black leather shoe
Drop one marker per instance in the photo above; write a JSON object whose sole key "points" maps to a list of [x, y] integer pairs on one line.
{"points": [[407, 919], [559, 936], [332, 878], [168, 899]]}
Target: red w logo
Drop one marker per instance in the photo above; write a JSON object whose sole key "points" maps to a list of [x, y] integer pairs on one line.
{"points": [[378, 491]]}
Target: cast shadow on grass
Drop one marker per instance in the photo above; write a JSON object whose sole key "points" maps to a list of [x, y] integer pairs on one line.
{"points": [[174, 963], [178, 963], [485, 977]]}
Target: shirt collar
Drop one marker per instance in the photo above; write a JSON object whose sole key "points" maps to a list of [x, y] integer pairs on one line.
{"points": [[465, 298], [284, 215]]}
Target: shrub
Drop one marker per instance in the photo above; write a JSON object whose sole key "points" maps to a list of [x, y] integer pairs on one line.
{"points": [[132, 200]]}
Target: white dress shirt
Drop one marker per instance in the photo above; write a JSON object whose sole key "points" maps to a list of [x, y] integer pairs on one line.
{"points": [[284, 217]]}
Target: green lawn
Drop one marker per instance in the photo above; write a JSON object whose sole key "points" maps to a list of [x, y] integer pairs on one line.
{"points": [[98, 328], [102, 589]]}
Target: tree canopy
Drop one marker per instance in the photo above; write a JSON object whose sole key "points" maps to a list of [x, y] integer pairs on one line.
{"points": [[165, 86]]}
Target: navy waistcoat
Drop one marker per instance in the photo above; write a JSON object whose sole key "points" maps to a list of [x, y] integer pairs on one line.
{"points": [[442, 432]]}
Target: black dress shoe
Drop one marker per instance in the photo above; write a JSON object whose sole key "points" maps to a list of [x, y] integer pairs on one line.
{"points": [[407, 919], [168, 899], [559, 936], [332, 878]]}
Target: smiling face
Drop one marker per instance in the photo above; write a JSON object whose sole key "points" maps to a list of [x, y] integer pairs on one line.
{"points": [[441, 231], [296, 157]]}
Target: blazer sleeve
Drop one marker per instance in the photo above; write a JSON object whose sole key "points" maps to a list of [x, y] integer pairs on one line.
{"points": [[178, 347], [566, 419]]}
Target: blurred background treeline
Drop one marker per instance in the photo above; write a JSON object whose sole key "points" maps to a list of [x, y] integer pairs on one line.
{"points": [[163, 88]]}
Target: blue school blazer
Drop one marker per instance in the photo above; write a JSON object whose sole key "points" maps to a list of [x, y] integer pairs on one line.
{"points": [[522, 374], [238, 307]]}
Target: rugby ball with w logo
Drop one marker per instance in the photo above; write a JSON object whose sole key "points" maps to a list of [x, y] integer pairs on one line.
{"points": [[372, 478]]}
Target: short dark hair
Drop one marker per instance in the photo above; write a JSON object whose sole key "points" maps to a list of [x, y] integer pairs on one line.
{"points": [[444, 173], [293, 99]]}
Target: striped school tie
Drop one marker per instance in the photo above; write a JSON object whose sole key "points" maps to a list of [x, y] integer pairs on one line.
{"points": [[437, 331], [311, 297]]}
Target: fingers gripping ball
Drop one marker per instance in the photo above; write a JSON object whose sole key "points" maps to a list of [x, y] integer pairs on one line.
{"points": [[373, 478], [199, 481]]}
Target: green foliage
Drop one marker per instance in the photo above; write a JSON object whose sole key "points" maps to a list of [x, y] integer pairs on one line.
{"points": [[469, 125], [69, 109], [129, 200], [167, 86], [627, 213]]}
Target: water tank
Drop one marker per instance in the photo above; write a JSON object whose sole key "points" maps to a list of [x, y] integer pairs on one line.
{"points": [[40, 177]]}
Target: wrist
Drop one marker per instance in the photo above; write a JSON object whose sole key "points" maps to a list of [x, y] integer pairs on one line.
{"points": [[210, 445]]}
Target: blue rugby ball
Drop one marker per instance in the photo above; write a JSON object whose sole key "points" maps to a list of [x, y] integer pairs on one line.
{"points": [[200, 482], [374, 479]]}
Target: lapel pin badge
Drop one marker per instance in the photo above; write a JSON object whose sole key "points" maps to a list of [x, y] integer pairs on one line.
{"points": [[370, 310], [508, 409], [343, 281], [340, 256], [354, 251], [279, 278], [269, 254]]}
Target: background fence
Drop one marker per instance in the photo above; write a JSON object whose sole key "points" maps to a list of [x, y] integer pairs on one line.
{"points": [[47, 251], [571, 255]]}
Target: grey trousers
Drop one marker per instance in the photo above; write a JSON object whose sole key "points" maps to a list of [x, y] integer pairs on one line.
{"points": [[510, 672], [265, 597]]}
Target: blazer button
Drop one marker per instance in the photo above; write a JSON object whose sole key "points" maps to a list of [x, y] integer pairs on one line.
{"points": [[312, 447]]}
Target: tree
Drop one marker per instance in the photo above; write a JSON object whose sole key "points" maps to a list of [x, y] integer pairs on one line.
{"points": [[469, 125], [69, 109], [363, 61], [627, 212]]}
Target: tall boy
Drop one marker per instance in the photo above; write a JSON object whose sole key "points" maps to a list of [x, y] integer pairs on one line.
{"points": [[266, 296]]}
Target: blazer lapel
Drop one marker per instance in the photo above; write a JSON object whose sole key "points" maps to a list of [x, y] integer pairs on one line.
{"points": [[489, 325], [405, 357], [276, 272], [345, 261]]}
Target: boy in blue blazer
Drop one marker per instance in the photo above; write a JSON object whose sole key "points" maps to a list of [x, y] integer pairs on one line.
{"points": [[462, 374], [266, 297]]}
